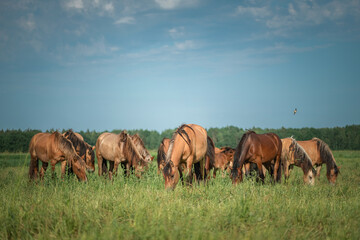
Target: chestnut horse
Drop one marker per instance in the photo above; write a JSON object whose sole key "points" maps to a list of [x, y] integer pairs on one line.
{"points": [[260, 149], [320, 153], [54, 148], [294, 154], [190, 145], [82, 148], [223, 159], [118, 148]]}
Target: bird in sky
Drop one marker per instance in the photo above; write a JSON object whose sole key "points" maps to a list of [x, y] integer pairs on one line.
{"points": [[295, 111]]}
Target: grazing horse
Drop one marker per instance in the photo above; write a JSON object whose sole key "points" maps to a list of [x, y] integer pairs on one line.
{"points": [[161, 156], [118, 148], [189, 145], [294, 154], [320, 153], [141, 148], [54, 148], [260, 149], [82, 148], [223, 159]]}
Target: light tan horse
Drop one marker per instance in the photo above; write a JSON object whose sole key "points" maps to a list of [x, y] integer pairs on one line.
{"points": [[190, 145], [54, 148], [82, 148], [320, 153], [293, 154], [141, 148], [118, 148]]}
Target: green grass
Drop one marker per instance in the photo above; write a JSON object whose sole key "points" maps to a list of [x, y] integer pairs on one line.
{"points": [[142, 209]]}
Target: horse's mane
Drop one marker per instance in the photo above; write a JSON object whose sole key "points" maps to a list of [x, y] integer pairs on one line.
{"points": [[226, 149], [130, 151], [179, 131], [300, 154], [137, 140], [76, 142], [161, 157], [66, 146], [326, 155], [239, 148]]}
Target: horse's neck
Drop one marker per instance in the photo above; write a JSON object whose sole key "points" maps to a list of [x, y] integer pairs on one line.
{"points": [[176, 150]]}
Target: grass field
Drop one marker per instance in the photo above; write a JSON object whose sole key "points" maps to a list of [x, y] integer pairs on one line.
{"points": [[142, 209]]}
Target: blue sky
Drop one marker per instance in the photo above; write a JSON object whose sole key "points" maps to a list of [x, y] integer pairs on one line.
{"points": [[104, 64]]}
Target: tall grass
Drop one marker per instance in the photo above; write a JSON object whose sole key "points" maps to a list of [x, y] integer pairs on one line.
{"points": [[129, 208]]}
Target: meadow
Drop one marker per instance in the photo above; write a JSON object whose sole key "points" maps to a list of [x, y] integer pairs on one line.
{"points": [[129, 208]]}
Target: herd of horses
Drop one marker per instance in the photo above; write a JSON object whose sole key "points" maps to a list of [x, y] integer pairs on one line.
{"points": [[190, 154]]}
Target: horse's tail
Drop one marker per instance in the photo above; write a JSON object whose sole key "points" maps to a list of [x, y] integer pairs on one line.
{"points": [[161, 156], [210, 156], [239, 156], [326, 154]]}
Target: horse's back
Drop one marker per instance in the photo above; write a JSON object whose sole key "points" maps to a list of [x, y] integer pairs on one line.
{"points": [[200, 140], [107, 145], [311, 148]]}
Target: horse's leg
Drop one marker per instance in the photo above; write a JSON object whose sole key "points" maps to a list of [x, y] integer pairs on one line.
{"points": [[277, 168], [111, 168], [214, 172], [53, 163], [44, 166], [34, 167], [63, 169], [188, 171], [116, 165], [318, 169], [286, 170], [100, 163], [260, 169]]}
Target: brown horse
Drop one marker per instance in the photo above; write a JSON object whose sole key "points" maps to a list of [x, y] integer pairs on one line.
{"points": [[223, 159], [161, 156], [54, 148], [141, 148], [293, 154], [118, 148], [260, 149], [320, 153], [82, 148], [190, 145]]}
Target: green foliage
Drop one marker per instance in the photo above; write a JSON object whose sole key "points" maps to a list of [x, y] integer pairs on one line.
{"points": [[129, 208], [337, 138]]}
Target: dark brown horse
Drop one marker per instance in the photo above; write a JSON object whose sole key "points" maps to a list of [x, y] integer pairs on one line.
{"points": [[320, 153], [118, 148], [261, 149], [54, 148], [189, 145], [82, 148], [294, 154]]}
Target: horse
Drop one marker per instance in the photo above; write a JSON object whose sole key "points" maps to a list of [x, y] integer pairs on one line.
{"points": [[260, 149], [54, 148], [223, 159], [141, 148], [294, 154], [161, 155], [189, 145], [320, 153], [82, 148], [118, 148]]}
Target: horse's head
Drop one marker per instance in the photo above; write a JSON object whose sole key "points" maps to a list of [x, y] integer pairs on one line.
{"points": [[236, 175], [332, 174], [79, 168], [140, 167], [309, 177], [171, 175], [90, 158]]}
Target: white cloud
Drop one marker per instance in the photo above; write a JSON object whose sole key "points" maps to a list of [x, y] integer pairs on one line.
{"points": [[188, 44], [176, 32], [109, 7], [77, 4], [28, 23], [173, 4], [257, 12], [125, 20]]}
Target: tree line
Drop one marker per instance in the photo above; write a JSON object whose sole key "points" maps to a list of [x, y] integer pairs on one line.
{"points": [[338, 138]]}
